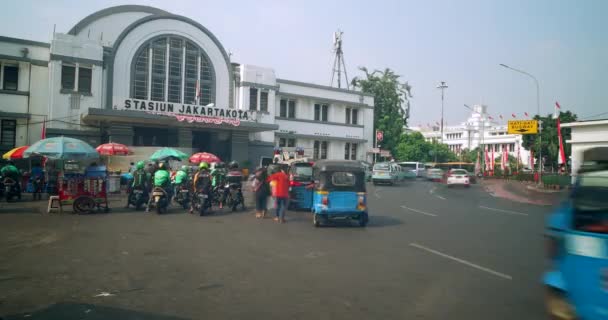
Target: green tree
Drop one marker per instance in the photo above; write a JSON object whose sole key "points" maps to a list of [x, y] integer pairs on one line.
{"points": [[389, 98], [470, 155], [550, 143], [413, 147]]}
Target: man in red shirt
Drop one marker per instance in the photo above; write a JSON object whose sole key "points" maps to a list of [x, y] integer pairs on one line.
{"points": [[280, 192]]}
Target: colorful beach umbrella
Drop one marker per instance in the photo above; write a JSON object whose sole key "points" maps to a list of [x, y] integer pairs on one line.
{"points": [[168, 154], [63, 148], [204, 157], [113, 149], [15, 153]]}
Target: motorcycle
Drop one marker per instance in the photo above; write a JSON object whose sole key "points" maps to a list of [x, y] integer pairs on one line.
{"points": [[182, 196], [218, 196], [202, 201], [160, 199], [234, 196], [138, 197], [11, 189]]}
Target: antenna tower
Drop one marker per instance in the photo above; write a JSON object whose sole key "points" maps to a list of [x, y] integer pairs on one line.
{"points": [[339, 64]]}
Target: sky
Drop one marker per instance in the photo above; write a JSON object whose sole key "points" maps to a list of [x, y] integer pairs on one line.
{"points": [[563, 43]]}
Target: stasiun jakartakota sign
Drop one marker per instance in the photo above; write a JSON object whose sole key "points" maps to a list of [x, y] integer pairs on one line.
{"points": [[184, 109]]}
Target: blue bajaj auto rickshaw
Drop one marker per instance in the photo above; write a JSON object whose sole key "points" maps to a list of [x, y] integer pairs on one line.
{"points": [[339, 192], [300, 181], [577, 237]]}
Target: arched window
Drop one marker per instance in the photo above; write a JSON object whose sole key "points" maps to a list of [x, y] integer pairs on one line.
{"points": [[169, 68]]}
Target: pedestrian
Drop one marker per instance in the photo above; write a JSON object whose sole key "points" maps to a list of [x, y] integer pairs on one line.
{"points": [[262, 191], [280, 192]]}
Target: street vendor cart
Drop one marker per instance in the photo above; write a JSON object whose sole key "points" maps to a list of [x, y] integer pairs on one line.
{"points": [[87, 191]]}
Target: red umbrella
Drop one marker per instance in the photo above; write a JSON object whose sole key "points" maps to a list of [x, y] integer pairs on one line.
{"points": [[113, 149], [204, 157]]}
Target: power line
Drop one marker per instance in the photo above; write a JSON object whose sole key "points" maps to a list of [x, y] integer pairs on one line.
{"points": [[595, 115]]}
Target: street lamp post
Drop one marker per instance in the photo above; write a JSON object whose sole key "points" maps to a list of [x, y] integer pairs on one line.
{"points": [[540, 137]]}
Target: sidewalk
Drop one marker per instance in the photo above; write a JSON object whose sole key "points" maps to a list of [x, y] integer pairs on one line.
{"points": [[523, 192]]}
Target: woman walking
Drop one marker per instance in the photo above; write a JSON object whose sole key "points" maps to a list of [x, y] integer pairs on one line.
{"points": [[262, 191]]}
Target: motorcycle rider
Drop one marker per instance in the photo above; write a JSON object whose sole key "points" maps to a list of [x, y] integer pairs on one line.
{"points": [[141, 179], [10, 171], [180, 179], [234, 176], [202, 180], [162, 179]]}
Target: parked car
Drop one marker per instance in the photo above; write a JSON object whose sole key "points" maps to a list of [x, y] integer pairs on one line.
{"points": [[458, 177], [385, 172], [417, 168], [434, 174]]}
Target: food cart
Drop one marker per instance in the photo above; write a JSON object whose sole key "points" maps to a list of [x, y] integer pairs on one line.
{"points": [[85, 190]]}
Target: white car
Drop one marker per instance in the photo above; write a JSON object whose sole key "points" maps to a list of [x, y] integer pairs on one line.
{"points": [[458, 177]]}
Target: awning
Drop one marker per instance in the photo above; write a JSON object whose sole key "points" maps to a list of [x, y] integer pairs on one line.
{"points": [[96, 115]]}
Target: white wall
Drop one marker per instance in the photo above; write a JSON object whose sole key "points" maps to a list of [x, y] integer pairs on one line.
{"points": [[583, 137], [14, 49], [325, 93], [137, 37], [108, 28]]}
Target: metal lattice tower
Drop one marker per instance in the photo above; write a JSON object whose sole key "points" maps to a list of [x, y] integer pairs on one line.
{"points": [[339, 64]]}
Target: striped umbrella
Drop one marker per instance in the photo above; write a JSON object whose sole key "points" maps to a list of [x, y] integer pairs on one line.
{"points": [[15, 153], [113, 149], [204, 157]]}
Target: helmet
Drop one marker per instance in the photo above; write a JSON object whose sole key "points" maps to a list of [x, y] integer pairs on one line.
{"points": [[185, 168], [161, 166], [140, 165], [203, 165], [220, 165], [233, 165]]}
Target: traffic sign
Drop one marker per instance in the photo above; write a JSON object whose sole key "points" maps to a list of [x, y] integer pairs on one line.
{"points": [[522, 127], [379, 135], [375, 150]]}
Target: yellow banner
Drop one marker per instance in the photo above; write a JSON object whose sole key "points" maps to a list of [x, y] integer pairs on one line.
{"points": [[523, 127]]}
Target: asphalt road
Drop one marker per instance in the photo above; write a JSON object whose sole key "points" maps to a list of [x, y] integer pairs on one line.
{"points": [[429, 252]]}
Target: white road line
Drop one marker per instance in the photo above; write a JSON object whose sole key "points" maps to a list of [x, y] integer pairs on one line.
{"points": [[504, 211], [432, 190], [440, 197], [376, 193], [422, 212], [470, 264]]}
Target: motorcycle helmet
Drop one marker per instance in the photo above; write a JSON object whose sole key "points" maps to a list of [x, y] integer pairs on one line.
{"points": [[233, 165], [203, 165], [140, 165]]}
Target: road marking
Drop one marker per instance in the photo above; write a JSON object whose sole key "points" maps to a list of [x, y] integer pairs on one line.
{"points": [[504, 211], [470, 264], [422, 212], [440, 197], [376, 193], [432, 190]]}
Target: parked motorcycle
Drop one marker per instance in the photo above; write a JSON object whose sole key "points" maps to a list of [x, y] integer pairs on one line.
{"points": [[11, 189], [138, 197], [234, 196], [218, 196], [160, 199], [182, 196], [202, 201]]}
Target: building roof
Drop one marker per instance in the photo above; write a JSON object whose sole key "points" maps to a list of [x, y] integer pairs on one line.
{"points": [[25, 41], [318, 86], [585, 123], [113, 10]]}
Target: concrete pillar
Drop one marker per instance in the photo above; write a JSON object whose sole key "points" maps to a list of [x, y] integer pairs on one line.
{"points": [[240, 146], [184, 138], [121, 133]]}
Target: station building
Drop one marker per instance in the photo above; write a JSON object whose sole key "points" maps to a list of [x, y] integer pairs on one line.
{"points": [[147, 78]]}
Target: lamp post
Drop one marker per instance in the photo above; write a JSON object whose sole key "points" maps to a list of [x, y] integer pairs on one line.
{"points": [[442, 86], [540, 139]]}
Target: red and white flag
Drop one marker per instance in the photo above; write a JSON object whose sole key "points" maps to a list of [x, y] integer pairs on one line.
{"points": [[526, 114], [558, 110], [532, 159], [487, 159], [500, 116], [513, 115], [493, 158], [561, 158], [197, 94]]}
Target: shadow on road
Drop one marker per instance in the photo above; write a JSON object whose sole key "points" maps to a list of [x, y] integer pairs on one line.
{"points": [[383, 221], [73, 311]]}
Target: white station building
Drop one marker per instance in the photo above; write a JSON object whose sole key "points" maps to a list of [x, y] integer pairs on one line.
{"points": [[478, 130], [147, 78]]}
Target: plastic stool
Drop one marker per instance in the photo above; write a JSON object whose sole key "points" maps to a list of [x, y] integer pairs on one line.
{"points": [[54, 203]]}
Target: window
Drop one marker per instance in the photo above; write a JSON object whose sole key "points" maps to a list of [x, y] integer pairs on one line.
{"points": [[315, 151], [511, 147], [324, 149], [355, 116], [264, 101], [253, 99], [291, 143], [8, 134], [292, 109], [353, 151], [352, 115], [347, 151], [11, 78], [343, 179], [282, 142], [283, 108], [84, 80], [348, 113], [169, 68], [321, 111], [68, 77], [157, 137]]}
